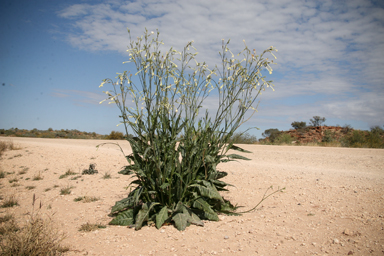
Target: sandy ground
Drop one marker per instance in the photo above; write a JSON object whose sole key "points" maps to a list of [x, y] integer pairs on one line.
{"points": [[333, 203]]}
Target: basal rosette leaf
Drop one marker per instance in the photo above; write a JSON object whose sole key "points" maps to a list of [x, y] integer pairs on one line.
{"points": [[161, 217], [125, 218]]}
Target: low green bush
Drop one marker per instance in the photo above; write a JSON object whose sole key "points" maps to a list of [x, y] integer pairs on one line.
{"points": [[283, 138], [115, 136]]}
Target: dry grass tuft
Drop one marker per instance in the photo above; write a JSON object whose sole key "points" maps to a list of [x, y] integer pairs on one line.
{"points": [[7, 145], [10, 201], [86, 199], [66, 190], [38, 176], [36, 238], [67, 173], [88, 227]]}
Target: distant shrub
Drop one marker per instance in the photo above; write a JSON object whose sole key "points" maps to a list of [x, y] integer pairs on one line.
{"points": [[317, 121], [328, 136], [271, 134], [243, 138], [283, 138], [298, 125], [363, 139], [115, 136], [346, 129]]}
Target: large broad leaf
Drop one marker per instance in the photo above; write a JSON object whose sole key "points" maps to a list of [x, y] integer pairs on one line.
{"points": [[201, 204], [194, 219], [181, 220], [161, 217], [130, 201], [206, 189], [125, 218], [143, 214]]}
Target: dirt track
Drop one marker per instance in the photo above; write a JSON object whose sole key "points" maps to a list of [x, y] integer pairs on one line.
{"points": [[333, 203]]}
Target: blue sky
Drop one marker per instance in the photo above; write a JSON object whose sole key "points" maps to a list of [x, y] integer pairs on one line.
{"points": [[54, 54]]}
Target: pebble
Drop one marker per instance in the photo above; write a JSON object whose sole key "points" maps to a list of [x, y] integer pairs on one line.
{"points": [[226, 237], [336, 241]]}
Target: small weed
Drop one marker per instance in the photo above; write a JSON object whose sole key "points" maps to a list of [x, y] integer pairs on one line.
{"points": [[27, 178], [55, 186], [66, 190], [88, 227], [6, 217], [38, 176], [2, 174], [18, 155], [91, 170], [24, 171], [66, 174], [13, 180], [30, 187], [47, 189], [107, 175], [75, 178], [15, 185], [86, 199], [9, 202]]}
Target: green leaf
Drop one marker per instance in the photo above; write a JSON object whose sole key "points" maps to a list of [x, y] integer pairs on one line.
{"points": [[130, 201], [161, 217], [143, 214], [195, 220], [236, 156], [239, 149], [208, 190], [125, 218], [209, 159], [181, 221], [201, 204]]}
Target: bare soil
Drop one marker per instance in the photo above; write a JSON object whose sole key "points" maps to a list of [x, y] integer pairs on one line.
{"points": [[333, 203]]}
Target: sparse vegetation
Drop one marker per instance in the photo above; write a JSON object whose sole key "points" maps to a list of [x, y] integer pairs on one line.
{"points": [[6, 217], [91, 170], [50, 133], [37, 176], [3, 174], [86, 199], [7, 145], [9, 201], [66, 191], [107, 175], [37, 237], [88, 227], [67, 173], [23, 171], [13, 180], [30, 187]]}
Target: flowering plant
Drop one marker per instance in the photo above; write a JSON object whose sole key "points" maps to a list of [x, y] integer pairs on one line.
{"points": [[175, 148]]}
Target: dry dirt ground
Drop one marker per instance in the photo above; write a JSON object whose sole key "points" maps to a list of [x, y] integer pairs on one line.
{"points": [[333, 203]]}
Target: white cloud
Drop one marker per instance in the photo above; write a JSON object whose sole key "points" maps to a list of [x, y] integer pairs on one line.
{"points": [[333, 48]]}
